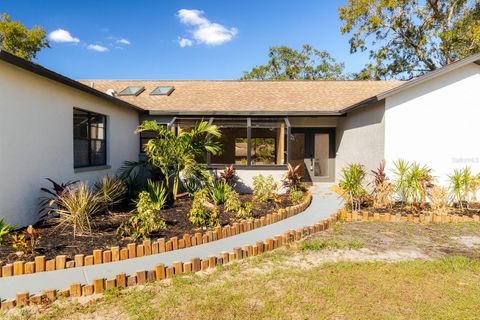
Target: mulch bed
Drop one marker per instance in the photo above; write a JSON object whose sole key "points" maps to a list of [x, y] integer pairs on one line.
{"points": [[473, 209], [55, 241]]}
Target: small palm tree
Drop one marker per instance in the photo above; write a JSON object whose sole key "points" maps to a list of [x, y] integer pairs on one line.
{"points": [[460, 186], [352, 182], [173, 153], [400, 170]]}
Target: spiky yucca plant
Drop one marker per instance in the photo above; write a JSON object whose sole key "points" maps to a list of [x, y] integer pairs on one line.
{"points": [[352, 182], [77, 204], [110, 191], [460, 185]]}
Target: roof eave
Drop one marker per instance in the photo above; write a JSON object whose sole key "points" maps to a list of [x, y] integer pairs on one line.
{"points": [[430, 75], [359, 105], [244, 113], [44, 72]]}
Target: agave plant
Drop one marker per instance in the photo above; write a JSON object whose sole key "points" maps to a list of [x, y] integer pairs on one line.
{"points": [[352, 182]]}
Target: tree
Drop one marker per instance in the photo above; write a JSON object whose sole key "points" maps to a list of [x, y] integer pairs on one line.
{"points": [[289, 64], [176, 153], [17, 39], [407, 38]]}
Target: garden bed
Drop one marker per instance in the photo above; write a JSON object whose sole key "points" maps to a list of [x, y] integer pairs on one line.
{"points": [[473, 209], [55, 241]]}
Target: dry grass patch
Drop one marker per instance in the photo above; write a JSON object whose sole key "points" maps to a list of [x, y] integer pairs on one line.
{"points": [[297, 283]]}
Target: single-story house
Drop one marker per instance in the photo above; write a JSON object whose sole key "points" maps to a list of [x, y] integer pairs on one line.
{"points": [[54, 127]]}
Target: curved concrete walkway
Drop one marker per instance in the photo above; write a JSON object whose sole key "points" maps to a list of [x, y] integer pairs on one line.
{"points": [[324, 203]]}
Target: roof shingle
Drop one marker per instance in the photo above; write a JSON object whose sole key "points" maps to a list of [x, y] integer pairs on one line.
{"points": [[231, 96]]}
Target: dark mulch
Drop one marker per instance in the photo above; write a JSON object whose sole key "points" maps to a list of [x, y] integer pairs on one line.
{"points": [[55, 241]]}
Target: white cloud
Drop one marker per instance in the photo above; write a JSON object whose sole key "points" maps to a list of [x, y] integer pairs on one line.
{"points": [[184, 42], [61, 35], [97, 48], [123, 41], [203, 30]]}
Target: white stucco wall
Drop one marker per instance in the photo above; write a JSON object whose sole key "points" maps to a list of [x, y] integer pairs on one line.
{"points": [[360, 137], [36, 138], [436, 123]]}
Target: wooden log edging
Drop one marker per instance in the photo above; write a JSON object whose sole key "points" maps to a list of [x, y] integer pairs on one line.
{"points": [[420, 218], [162, 272], [149, 247]]}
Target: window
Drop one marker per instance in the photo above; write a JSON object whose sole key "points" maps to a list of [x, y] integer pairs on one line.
{"points": [[246, 141], [131, 91], [162, 91], [234, 142], [268, 145], [89, 139]]}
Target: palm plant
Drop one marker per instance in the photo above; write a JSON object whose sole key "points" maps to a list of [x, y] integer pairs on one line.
{"points": [[352, 182], [173, 154], [400, 170], [419, 181], [460, 186]]}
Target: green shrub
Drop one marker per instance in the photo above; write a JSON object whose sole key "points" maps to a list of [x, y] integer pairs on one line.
{"points": [[232, 199], [76, 205], [5, 229], [158, 195], [352, 183], [110, 191], [203, 213], [245, 211], [218, 191], [296, 196], [264, 188], [146, 220]]}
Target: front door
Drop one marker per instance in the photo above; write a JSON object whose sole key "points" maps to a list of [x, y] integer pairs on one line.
{"points": [[314, 150]]}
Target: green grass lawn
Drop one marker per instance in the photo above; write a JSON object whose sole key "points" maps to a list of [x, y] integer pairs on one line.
{"points": [[298, 282]]}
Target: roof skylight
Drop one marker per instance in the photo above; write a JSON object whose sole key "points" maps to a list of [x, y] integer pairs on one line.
{"points": [[131, 91], [162, 90]]}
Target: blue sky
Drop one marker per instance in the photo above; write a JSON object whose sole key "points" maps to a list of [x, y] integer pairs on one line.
{"points": [[178, 39]]}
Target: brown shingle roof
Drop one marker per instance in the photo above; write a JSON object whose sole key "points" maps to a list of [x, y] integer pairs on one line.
{"points": [[207, 97]]}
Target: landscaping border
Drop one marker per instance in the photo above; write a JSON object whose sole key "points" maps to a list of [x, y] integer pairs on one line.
{"points": [[149, 247], [398, 217], [161, 272]]}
